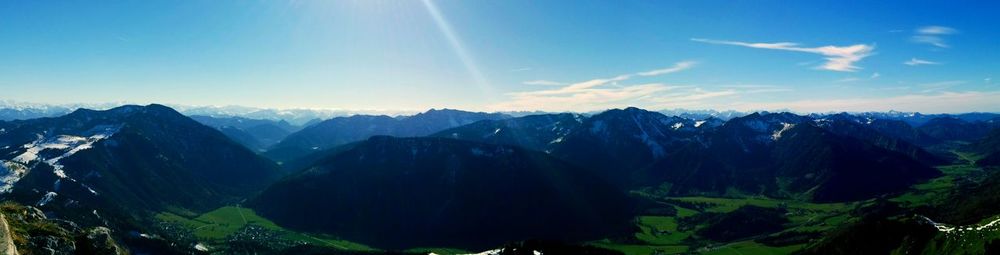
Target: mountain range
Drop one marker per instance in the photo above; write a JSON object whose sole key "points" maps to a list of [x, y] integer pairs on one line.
{"points": [[474, 180]]}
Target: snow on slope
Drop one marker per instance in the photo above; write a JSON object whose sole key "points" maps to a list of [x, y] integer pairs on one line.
{"points": [[12, 171]]}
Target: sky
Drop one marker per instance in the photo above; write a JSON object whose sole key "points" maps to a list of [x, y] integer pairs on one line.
{"points": [[511, 55]]}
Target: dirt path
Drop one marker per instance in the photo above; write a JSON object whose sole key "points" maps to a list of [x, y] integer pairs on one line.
{"points": [[6, 243]]}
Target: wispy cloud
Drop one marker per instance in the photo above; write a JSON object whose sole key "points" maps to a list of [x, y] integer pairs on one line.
{"points": [[581, 96], [873, 76], [838, 58], [679, 66], [543, 83], [917, 62], [933, 35], [594, 94], [522, 69]]}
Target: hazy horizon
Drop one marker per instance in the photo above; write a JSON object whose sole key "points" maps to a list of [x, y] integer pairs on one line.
{"points": [[6, 103]]}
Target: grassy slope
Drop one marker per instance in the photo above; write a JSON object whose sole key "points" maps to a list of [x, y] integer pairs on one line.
{"points": [[929, 193], [213, 228]]}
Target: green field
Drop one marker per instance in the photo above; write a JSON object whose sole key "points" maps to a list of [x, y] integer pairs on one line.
{"points": [[214, 227], [661, 234], [930, 192], [748, 248]]}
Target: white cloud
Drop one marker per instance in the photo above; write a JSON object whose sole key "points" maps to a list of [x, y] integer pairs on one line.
{"points": [[933, 35], [942, 102], [917, 62], [679, 66], [543, 83], [936, 30], [874, 75], [594, 94], [581, 97], [838, 58]]}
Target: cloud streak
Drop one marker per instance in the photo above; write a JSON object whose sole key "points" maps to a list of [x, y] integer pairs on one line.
{"points": [[933, 35], [838, 58], [680, 66], [604, 93], [919, 62]]}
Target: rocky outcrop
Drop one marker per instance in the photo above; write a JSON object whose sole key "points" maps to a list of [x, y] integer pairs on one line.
{"points": [[6, 242], [26, 230], [98, 241]]}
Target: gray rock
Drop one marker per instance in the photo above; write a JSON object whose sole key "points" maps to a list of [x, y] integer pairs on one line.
{"points": [[98, 240], [51, 245]]}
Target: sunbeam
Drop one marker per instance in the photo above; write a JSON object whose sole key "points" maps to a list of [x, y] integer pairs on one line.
{"points": [[459, 49]]}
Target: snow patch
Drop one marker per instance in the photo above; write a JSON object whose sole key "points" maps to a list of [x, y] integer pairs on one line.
{"points": [[493, 252], [678, 125], [557, 140], [92, 191], [699, 123], [784, 127], [201, 247], [68, 144], [991, 226], [47, 198], [10, 173]]}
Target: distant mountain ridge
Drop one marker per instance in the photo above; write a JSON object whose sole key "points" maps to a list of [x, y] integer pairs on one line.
{"points": [[633, 147], [255, 134], [343, 130]]}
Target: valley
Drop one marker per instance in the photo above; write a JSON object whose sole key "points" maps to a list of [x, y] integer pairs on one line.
{"points": [[677, 226]]}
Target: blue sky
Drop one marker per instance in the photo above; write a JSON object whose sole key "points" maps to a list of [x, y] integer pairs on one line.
{"points": [[806, 56]]}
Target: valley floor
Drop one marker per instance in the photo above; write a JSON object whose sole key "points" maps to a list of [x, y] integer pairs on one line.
{"points": [[675, 230]]}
